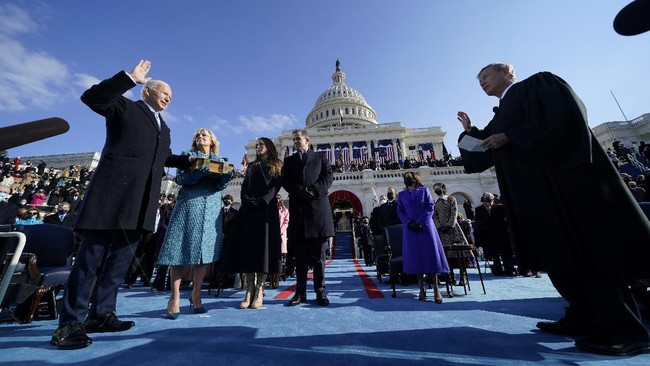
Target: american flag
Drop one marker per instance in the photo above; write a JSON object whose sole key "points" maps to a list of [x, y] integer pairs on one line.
{"points": [[359, 151], [342, 151], [326, 149], [428, 147], [385, 148]]}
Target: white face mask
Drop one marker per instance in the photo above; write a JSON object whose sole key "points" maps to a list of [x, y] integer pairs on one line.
{"points": [[382, 201]]}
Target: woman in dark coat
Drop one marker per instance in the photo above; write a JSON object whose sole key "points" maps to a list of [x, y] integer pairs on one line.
{"points": [[258, 252]]}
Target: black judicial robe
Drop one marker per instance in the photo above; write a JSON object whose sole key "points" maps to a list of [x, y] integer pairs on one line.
{"points": [[568, 208]]}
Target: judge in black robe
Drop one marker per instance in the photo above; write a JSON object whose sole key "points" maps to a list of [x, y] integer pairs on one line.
{"points": [[569, 211]]}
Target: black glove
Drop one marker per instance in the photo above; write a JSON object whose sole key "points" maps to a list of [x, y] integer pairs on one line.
{"points": [[414, 226], [251, 202], [305, 194], [313, 192]]}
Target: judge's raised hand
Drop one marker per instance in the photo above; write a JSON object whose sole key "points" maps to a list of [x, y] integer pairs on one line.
{"points": [[139, 72], [465, 121]]}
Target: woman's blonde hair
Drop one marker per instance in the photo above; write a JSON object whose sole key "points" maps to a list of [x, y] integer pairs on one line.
{"points": [[214, 143]]}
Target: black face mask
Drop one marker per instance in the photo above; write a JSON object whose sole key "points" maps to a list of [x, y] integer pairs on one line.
{"points": [[438, 192], [390, 196], [408, 181], [227, 202]]}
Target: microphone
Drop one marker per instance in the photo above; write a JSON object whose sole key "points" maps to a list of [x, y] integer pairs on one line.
{"points": [[24, 133]]}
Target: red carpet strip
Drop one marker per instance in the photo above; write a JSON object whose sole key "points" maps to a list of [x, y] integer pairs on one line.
{"points": [[372, 290]]}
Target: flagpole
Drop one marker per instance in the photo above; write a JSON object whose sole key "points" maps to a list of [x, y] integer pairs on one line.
{"points": [[619, 106]]}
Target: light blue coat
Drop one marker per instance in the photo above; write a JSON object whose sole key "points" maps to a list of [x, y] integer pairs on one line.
{"points": [[194, 235]]}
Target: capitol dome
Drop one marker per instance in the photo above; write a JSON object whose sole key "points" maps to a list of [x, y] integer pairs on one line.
{"points": [[340, 105]]}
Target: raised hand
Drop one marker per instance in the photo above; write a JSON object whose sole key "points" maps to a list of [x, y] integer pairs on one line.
{"points": [[464, 119], [139, 72]]}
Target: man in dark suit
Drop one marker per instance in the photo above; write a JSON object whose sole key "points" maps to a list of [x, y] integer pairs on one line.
{"points": [[227, 214], [307, 176], [543, 152], [62, 217], [388, 211], [120, 203], [491, 233]]}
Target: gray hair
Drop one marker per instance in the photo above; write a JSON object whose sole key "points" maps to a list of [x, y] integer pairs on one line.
{"points": [[151, 84], [500, 66]]}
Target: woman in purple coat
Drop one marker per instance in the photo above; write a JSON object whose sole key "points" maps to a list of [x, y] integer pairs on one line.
{"points": [[422, 250]]}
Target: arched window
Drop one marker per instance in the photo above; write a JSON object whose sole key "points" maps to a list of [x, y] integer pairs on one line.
{"points": [[327, 113], [346, 110]]}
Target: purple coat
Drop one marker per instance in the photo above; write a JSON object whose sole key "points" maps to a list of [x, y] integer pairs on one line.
{"points": [[422, 251]]}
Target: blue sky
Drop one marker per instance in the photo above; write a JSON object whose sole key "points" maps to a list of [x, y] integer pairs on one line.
{"points": [[249, 68]]}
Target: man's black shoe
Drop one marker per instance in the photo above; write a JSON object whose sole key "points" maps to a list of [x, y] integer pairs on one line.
{"points": [[297, 299], [322, 300], [566, 327], [70, 336], [603, 346], [107, 324]]}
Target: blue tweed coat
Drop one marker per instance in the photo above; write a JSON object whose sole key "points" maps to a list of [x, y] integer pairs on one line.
{"points": [[195, 233]]}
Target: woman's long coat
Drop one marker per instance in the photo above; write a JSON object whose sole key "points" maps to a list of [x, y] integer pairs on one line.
{"points": [[257, 244], [195, 233], [422, 251]]}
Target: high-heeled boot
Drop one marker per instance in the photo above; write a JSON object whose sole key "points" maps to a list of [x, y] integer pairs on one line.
{"points": [[250, 290], [259, 291], [423, 295]]}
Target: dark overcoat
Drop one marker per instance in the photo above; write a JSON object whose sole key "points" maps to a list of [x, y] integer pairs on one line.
{"points": [[308, 218], [568, 208], [258, 242], [124, 191]]}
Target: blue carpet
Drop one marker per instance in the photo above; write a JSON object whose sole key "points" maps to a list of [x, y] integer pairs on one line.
{"points": [[343, 247], [474, 329]]}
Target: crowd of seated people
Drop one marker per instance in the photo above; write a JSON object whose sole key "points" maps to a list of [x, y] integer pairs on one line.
{"points": [[387, 164], [38, 194]]}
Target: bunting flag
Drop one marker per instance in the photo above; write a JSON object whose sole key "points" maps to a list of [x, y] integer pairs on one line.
{"points": [[428, 148], [400, 156], [342, 152], [373, 151], [327, 149], [385, 148], [359, 151]]}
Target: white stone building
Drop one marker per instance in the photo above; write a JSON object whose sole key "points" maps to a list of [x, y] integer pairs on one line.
{"points": [[345, 127]]}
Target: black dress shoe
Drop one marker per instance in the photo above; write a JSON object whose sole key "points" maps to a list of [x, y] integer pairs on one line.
{"points": [[566, 327], [322, 300], [107, 324], [297, 299], [604, 346], [70, 336]]}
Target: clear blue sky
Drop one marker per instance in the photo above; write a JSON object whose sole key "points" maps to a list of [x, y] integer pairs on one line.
{"points": [[253, 68]]}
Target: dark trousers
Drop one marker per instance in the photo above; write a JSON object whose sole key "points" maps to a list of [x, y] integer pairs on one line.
{"points": [[604, 301], [367, 254], [107, 255], [143, 262], [311, 251]]}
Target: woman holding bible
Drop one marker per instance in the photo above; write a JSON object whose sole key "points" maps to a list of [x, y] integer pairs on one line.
{"points": [[194, 235]]}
